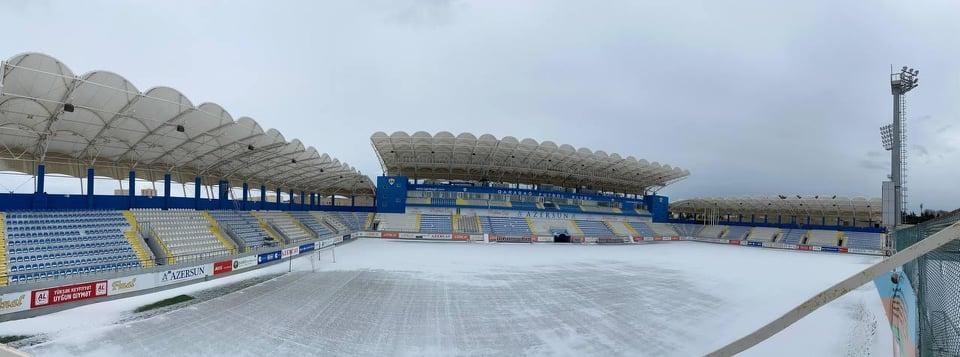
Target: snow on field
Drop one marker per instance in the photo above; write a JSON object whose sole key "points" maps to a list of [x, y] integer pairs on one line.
{"points": [[417, 298]]}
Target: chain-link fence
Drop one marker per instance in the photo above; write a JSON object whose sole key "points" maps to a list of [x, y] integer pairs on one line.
{"points": [[935, 277]]}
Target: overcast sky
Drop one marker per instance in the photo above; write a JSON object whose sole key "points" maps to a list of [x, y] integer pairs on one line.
{"points": [[753, 97]]}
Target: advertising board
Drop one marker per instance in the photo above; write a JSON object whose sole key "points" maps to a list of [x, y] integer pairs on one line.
{"points": [[222, 267], [289, 252], [129, 284], [307, 247], [245, 262], [268, 257], [67, 293], [174, 276], [14, 302]]}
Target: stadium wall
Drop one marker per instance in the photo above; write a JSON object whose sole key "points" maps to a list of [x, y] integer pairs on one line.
{"points": [[29, 300]]}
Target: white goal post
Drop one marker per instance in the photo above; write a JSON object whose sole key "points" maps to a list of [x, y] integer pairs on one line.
{"points": [[857, 280]]}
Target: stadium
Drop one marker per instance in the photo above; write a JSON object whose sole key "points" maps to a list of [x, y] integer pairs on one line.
{"points": [[225, 237], [465, 245]]}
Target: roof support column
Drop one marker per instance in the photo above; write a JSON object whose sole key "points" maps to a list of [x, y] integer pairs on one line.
{"points": [[41, 172], [222, 193], [196, 192], [263, 197], [89, 187], [279, 193], [303, 201], [166, 191], [132, 188], [353, 201], [246, 191], [290, 204], [39, 201], [313, 201], [332, 200]]}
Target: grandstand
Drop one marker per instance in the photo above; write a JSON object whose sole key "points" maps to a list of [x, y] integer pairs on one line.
{"points": [[244, 229], [312, 225], [41, 245], [823, 238], [736, 232], [182, 235], [290, 230], [593, 228], [763, 234], [505, 226]]}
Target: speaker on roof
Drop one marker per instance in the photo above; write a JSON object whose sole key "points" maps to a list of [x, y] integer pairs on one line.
{"points": [[180, 128], [250, 147], [293, 161], [67, 107]]}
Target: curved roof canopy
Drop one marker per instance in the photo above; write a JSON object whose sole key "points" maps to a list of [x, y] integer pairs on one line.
{"points": [[862, 209], [99, 119], [467, 157]]}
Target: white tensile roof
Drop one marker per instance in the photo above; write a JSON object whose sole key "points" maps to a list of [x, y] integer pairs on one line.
{"points": [[806, 205], [115, 127], [467, 157]]}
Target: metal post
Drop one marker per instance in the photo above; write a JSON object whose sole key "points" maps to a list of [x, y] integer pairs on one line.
{"points": [[41, 172], [196, 192], [166, 190], [89, 187], [263, 197], [895, 160], [246, 190], [132, 187]]}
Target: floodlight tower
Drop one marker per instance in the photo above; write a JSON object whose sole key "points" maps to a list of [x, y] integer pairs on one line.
{"points": [[894, 137]]}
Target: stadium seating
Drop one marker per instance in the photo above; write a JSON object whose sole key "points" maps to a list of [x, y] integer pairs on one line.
{"points": [[398, 222], [863, 240], [443, 202], [763, 234], [711, 231], [568, 208], [642, 229], [620, 229], [419, 200], [44, 245], [792, 236], [310, 222], [432, 223], [600, 209], [505, 226], [183, 234], [285, 225], [355, 221], [662, 229], [332, 221], [468, 224], [594, 228], [687, 229], [823, 238], [524, 205], [244, 228], [554, 226], [736, 233]]}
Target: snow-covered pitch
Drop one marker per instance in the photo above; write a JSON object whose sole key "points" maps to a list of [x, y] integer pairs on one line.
{"points": [[419, 298]]}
